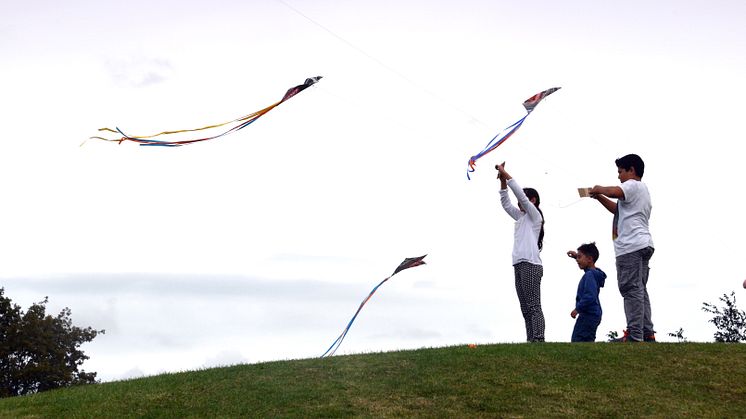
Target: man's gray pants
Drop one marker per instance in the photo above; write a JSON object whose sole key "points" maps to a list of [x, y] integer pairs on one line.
{"points": [[632, 272]]}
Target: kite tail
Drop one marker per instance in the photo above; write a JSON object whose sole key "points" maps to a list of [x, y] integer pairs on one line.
{"points": [[147, 140], [406, 264], [341, 337], [495, 142], [243, 118]]}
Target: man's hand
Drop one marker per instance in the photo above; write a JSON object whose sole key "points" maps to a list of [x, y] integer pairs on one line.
{"points": [[595, 191]]}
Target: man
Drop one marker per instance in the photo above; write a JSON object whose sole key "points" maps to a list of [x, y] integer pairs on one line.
{"points": [[633, 244]]}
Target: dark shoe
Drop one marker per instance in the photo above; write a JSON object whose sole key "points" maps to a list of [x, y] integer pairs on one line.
{"points": [[650, 338]]}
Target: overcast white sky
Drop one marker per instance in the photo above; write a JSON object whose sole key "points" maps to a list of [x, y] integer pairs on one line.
{"points": [[261, 245]]}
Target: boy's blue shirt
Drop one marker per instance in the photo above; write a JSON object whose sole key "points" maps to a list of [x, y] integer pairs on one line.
{"points": [[586, 300]]}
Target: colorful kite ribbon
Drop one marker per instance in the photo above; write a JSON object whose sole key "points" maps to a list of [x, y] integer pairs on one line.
{"points": [[506, 133], [408, 263], [243, 122]]}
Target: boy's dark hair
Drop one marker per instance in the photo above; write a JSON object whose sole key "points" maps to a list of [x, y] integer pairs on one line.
{"points": [[589, 249], [629, 161], [532, 193]]}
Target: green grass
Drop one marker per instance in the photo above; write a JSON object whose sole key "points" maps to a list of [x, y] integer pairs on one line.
{"points": [[507, 380]]}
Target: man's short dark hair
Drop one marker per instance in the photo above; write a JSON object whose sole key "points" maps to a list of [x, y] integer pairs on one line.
{"points": [[589, 249], [629, 161]]}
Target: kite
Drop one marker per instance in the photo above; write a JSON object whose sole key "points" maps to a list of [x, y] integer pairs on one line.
{"points": [[408, 263], [242, 122], [503, 135]]}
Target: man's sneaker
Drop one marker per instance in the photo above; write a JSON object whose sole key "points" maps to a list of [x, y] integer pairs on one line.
{"points": [[650, 338]]}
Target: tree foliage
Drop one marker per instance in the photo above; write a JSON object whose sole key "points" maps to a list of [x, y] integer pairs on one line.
{"points": [[729, 321], [38, 351]]}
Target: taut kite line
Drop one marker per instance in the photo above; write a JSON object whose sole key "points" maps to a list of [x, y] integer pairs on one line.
{"points": [[503, 135], [147, 140], [408, 263]]}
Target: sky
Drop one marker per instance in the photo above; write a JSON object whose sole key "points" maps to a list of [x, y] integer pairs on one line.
{"points": [[261, 245]]}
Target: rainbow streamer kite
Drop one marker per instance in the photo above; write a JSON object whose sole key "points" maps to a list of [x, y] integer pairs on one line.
{"points": [[243, 122], [408, 263], [498, 139]]}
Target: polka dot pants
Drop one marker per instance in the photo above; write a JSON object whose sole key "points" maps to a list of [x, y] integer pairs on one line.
{"points": [[528, 287]]}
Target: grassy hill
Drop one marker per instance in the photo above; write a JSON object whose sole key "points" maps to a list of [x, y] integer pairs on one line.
{"points": [[505, 380]]}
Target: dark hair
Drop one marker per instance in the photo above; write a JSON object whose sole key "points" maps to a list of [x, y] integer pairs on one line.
{"points": [[531, 193], [589, 249], [629, 161]]}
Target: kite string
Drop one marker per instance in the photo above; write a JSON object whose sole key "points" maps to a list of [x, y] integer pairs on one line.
{"points": [[559, 173], [560, 206], [564, 174], [382, 64]]}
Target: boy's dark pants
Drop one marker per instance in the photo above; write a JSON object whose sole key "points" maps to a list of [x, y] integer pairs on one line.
{"points": [[585, 328]]}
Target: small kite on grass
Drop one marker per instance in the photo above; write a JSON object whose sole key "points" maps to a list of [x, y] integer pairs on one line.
{"points": [[503, 135], [408, 263], [242, 122]]}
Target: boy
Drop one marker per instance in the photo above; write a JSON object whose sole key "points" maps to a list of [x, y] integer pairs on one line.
{"points": [[630, 203], [587, 305]]}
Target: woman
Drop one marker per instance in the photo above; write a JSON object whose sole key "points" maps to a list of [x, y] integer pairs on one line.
{"points": [[527, 243]]}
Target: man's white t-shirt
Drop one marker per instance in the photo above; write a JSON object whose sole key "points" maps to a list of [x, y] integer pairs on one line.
{"points": [[631, 229]]}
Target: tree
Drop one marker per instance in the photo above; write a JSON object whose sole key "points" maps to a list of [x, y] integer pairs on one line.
{"points": [[730, 322], [40, 352]]}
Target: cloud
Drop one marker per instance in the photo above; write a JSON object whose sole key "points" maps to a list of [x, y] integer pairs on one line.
{"points": [[131, 374], [225, 358], [139, 71], [181, 285]]}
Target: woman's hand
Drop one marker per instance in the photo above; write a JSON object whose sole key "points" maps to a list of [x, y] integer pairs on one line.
{"points": [[501, 173]]}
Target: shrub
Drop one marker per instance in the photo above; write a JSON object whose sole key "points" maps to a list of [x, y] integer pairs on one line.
{"points": [[729, 321]]}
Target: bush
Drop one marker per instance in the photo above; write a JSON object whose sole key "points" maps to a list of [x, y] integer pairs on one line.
{"points": [[679, 335], [730, 322], [40, 352]]}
